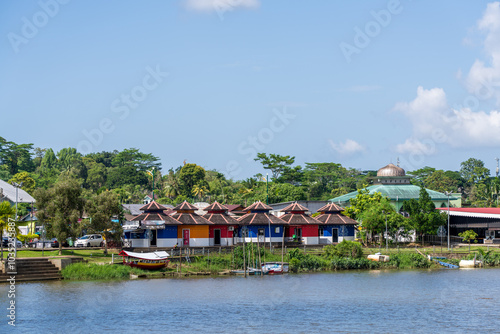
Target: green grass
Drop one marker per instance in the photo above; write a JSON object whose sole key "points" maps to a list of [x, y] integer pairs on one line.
{"points": [[92, 255], [93, 271]]}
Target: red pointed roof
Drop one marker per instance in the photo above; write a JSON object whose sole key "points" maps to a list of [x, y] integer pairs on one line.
{"points": [[153, 206], [335, 219], [145, 216], [331, 207], [295, 207], [185, 206], [188, 218], [260, 218], [221, 218], [215, 207], [300, 219], [258, 206]]}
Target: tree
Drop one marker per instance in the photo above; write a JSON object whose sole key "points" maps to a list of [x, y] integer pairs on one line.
{"points": [[96, 177], [127, 175], [276, 163], [59, 208], [6, 211], [199, 190], [473, 171], [439, 181], [189, 176], [16, 157], [468, 236], [132, 157], [26, 179], [49, 160], [102, 209], [424, 218], [420, 175]]}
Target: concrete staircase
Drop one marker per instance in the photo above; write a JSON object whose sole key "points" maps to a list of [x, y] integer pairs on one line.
{"points": [[34, 269]]}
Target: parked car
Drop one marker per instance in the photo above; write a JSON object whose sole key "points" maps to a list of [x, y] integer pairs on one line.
{"points": [[52, 243], [90, 240], [5, 242]]}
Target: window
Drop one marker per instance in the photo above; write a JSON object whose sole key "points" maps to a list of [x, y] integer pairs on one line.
{"points": [[321, 232], [277, 230]]}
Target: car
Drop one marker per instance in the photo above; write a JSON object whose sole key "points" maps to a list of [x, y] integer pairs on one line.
{"points": [[5, 243], [90, 240]]}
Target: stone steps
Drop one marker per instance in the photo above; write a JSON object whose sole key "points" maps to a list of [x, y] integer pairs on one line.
{"points": [[34, 269]]}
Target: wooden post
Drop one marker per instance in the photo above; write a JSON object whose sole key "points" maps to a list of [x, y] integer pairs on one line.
{"points": [[244, 258], [282, 249]]}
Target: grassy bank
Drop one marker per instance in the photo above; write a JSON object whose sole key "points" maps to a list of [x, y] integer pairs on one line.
{"points": [[93, 271], [91, 255]]}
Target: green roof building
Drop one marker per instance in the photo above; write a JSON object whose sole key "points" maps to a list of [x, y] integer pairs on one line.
{"points": [[391, 181]]}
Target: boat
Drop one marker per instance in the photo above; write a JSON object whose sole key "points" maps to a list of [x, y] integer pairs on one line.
{"points": [[469, 263], [151, 261], [378, 257], [274, 268]]}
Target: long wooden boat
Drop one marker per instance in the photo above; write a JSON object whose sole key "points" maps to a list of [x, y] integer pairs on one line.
{"points": [[153, 260], [275, 267]]}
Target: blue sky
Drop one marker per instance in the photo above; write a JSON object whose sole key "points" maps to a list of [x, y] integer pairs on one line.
{"points": [[212, 82]]}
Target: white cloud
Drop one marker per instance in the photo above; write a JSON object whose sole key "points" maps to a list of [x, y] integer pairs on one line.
{"points": [[432, 119], [434, 122], [220, 5], [483, 79], [412, 145], [348, 147]]}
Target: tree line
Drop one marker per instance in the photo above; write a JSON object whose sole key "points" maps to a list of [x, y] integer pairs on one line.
{"points": [[130, 174]]}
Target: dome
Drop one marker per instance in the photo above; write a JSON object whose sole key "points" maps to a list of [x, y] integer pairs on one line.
{"points": [[391, 170]]}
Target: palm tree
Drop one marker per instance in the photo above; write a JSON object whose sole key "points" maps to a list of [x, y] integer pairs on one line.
{"points": [[199, 191], [246, 192], [6, 211]]}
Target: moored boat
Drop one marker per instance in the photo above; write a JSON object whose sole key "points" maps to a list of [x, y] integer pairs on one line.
{"points": [[151, 261], [274, 267], [379, 257]]}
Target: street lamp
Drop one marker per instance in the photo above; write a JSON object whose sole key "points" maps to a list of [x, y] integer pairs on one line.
{"points": [[386, 240], [447, 193], [17, 185]]}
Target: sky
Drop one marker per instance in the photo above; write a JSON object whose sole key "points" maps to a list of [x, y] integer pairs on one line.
{"points": [[214, 82]]}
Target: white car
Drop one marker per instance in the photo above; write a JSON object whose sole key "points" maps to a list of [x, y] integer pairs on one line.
{"points": [[90, 240]]}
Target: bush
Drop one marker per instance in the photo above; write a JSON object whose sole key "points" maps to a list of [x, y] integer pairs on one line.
{"points": [[409, 261], [350, 249], [93, 271], [342, 263]]}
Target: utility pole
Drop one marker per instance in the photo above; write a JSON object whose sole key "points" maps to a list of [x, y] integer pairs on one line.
{"points": [[447, 193]]}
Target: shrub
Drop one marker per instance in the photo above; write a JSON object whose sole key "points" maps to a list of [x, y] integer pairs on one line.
{"points": [[409, 261], [350, 249]]}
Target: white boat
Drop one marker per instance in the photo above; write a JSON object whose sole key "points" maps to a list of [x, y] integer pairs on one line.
{"points": [[274, 267], [469, 263], [379, 257], [154, 260]]}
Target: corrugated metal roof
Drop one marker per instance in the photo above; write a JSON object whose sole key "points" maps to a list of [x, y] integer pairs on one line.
{"points": [[9, 192], [474, 212], [395, 192]]}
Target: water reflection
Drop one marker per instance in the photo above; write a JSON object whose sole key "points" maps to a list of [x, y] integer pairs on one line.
{"points": [[364, 301]]}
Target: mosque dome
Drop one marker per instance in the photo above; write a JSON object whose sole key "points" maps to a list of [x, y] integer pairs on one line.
{"points": [[391, 170]]}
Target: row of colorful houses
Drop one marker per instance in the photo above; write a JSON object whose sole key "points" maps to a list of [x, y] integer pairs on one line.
{"points": [[158, 226]]}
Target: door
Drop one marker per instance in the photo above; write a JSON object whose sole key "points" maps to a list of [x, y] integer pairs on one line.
{"points": [[217, 237], [298, 233], [262, 235], [335, 235], [152, 238], [185, 237]]}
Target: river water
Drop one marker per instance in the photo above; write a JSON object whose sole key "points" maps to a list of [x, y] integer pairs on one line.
{"points": [[419, 301]]}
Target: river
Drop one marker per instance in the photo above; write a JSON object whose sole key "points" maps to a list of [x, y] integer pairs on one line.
{"points": [[416, 301]]}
